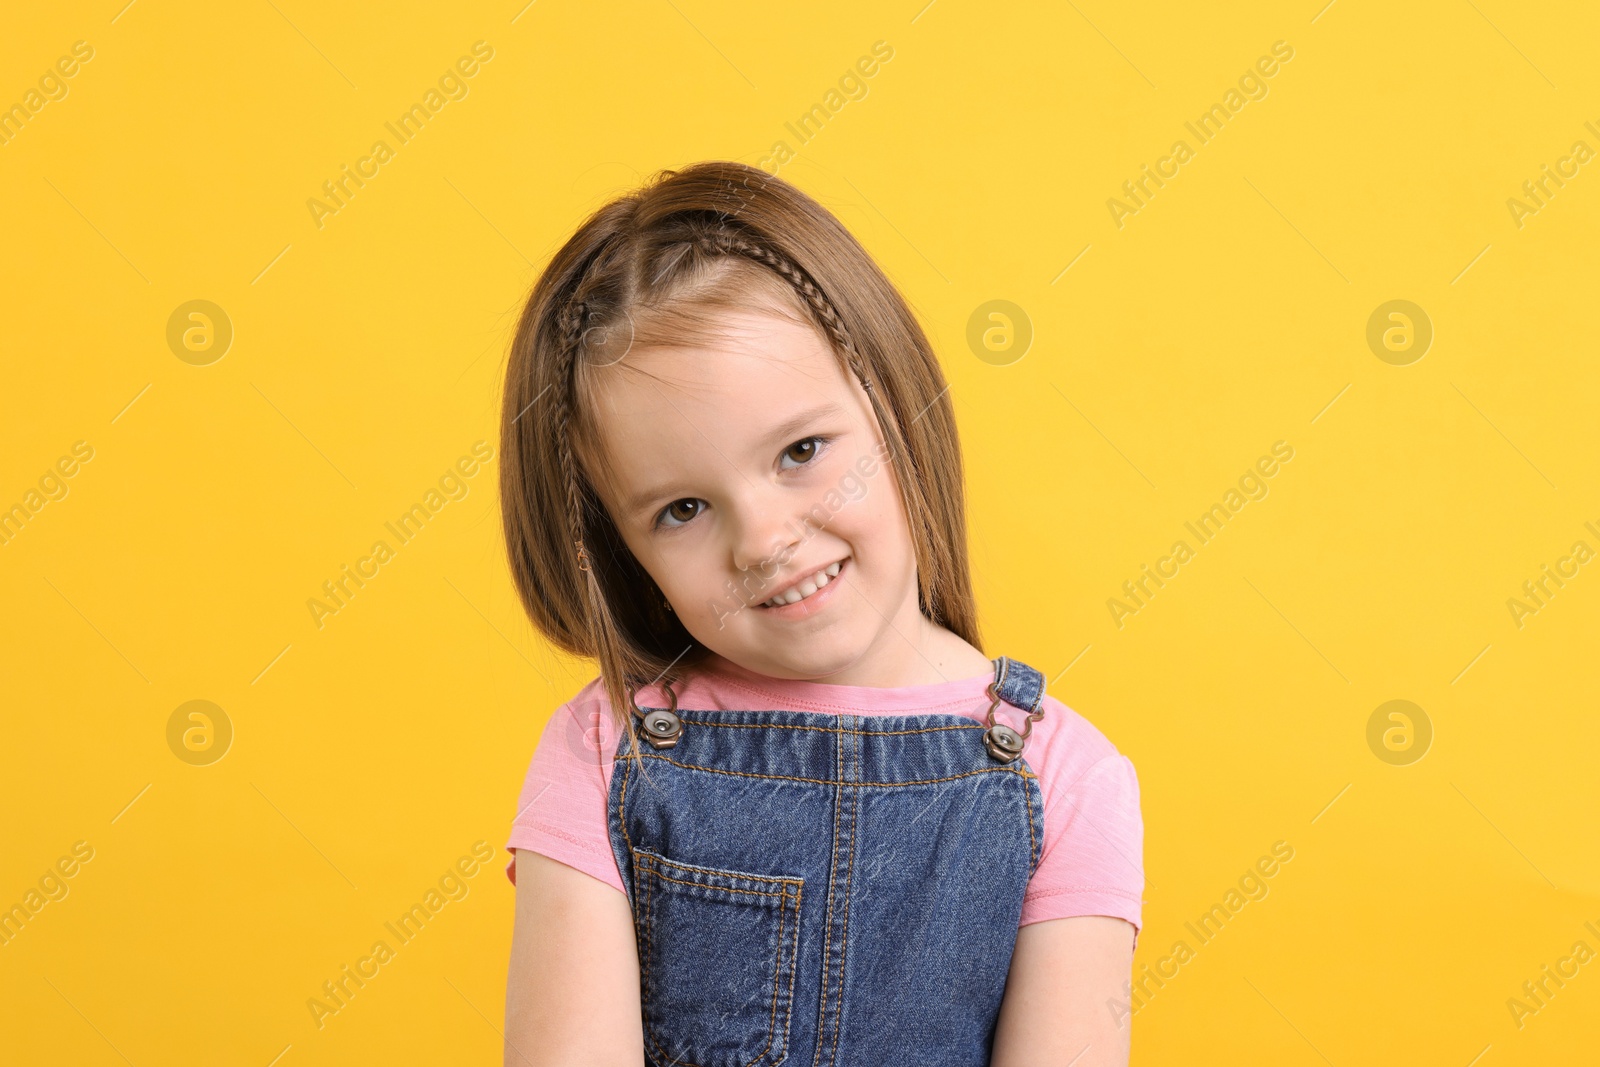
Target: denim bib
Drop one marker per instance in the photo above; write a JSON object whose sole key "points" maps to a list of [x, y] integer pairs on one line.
{"points": [[819, 889]]}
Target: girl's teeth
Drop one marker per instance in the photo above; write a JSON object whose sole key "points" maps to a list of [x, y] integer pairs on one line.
{"points": [[807, 587]]}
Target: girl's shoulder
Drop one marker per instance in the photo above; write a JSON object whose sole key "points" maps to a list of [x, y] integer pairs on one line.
{"points": [[1065, 750], [1066, 724]]}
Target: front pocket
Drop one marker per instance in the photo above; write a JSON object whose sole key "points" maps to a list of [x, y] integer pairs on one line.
{"points": [[717, 952]]}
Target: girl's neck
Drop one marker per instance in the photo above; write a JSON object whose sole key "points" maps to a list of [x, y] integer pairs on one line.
{"points": [[936, 656]]}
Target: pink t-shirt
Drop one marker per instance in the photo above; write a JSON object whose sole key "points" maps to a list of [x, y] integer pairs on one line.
{"points": [[1093, 859]]}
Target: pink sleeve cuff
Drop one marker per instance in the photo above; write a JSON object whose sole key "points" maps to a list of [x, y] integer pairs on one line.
{"points": [[1094, 900], [563, 848]]}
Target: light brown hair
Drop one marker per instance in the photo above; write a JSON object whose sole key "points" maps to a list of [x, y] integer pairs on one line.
{"points": [[645, 270]]}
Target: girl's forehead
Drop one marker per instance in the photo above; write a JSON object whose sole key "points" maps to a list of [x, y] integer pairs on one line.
{"points": [[752, 361]]}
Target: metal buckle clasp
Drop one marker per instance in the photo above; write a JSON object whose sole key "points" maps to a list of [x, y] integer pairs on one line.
{"points": [[1004, 743], [662, 726]]}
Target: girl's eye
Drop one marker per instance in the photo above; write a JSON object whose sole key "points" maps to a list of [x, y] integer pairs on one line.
{"points": [[674, 511], [804, 450]]}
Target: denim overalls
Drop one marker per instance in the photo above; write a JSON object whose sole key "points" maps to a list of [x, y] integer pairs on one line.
{"points": [[827, 890]]}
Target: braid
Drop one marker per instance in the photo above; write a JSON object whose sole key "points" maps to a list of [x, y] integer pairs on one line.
{"points": [[615, 662], [570, 331]]}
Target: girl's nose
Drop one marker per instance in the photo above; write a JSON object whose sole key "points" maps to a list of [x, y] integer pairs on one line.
{"points": [[766, 525]]}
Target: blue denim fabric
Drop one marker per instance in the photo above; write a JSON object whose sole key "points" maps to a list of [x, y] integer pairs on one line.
{"points": [[827, 890]]}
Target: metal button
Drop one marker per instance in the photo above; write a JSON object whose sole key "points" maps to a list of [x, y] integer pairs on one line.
{"points": [[1003, 743], [662, 728]]}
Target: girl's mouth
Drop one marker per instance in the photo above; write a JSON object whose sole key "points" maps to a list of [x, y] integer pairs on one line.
{"points": [[810, 595]]}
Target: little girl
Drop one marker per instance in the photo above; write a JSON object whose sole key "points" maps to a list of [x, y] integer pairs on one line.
{"points": [[799, 816]]}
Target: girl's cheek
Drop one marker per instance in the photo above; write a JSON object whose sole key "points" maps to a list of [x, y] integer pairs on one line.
{"points": [[880, 505]]}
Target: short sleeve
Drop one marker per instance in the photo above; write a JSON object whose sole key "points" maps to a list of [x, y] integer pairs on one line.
{"points": [[561, 811], [1093, 858]]}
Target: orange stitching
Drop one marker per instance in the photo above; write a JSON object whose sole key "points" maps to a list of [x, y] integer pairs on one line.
{"points": [[720, 872], [718, 888], [794, 957], [824, 729], [827, 925], [650, 913], [622, 820], [1033, 845], [1027, 804], [850, 866], [824, 781], [650, 938], [777, 983], [641, 934]]}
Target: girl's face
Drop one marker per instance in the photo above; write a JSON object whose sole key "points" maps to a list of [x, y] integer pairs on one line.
{"points": [[742, 468]]}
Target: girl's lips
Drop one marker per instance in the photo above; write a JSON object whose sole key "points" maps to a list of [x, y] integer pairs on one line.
{"points": [[812, 604]]}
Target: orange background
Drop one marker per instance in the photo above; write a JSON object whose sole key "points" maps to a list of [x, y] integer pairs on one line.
{"points": [[1167, 354]]}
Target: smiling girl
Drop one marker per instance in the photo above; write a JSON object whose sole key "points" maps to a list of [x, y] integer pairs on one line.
{"points": [[798, 816]]}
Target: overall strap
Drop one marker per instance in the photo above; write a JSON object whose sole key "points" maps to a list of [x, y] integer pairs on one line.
{"points": [[1020, 685]]}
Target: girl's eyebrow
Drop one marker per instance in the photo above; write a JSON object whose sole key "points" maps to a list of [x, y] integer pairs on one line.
{"points": [[781, 433], [646, 498]]}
